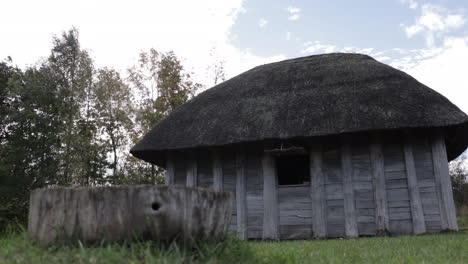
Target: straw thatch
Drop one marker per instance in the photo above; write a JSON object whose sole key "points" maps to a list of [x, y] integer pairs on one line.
{"points": [[305, 97]]}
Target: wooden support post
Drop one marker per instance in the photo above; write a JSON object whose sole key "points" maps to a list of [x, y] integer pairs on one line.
{"points": [[378, 182], [317, 186], [419, 226], [270, 198], [217, 171], [192, 173], [443, 184], [170, 170], [241, 195], [351, 229]]}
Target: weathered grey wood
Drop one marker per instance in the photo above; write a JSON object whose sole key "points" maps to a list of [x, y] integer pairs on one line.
{"points": [[317, 180], [378, 180], [170, 170], [397, 195], [367, 229], [270, 198], [241, 195], [401, 227], [443, 184], [398, 204], [254, 193], [334, 191], [217, 170], [351, 229], [192, 173], [419, 226], [295, 232], [180, 169], [117, 213]]}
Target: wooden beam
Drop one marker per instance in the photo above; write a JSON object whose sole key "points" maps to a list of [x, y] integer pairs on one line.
{"points": [[419, 225], [317, 191], [351, 229], [241, 193], [170, 170], [192, 173], [378, 182], [217, 171], [270, 198], [443, 184]]}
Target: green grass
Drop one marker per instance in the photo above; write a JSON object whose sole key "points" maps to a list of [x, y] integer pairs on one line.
{"points": [[462, 222], [438, 248]]}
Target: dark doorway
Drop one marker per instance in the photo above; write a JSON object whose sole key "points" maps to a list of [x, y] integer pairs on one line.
{"points": [[293, 169]]}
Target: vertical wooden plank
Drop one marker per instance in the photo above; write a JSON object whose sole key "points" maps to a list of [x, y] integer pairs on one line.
{"points": [[170, 169], [192, 171], [217, 171], [443, 184], [270, 198], [351, 229], [378, 182], [417, 214], [241, 195], [317, 190]]}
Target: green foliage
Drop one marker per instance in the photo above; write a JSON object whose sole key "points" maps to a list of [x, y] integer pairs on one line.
{"points": [[459, 177], [64, 122], [162, 85]]}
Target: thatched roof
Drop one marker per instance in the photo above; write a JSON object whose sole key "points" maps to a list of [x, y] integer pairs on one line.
{"points": [[304, 97]]}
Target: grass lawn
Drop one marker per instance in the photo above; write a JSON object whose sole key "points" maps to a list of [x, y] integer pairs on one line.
{"points": [[439, 248]]}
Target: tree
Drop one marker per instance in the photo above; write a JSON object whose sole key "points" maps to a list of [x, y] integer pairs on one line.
{"points": [[30, 143], [459, 177], [83, 152], [114, 108], [216, 69], [162, 85]]}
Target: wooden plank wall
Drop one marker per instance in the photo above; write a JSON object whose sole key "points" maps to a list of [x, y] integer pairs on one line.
{"points": [[254, 176], [363, 189], [205, 169], [180, 172], [334, 197], [229, 184], [398, 200], [295, 212], [426, 182], [361, 159]]}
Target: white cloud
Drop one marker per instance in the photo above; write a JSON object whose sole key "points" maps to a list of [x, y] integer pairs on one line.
{"points": [[410, 3], [293, 13], [288, 35], [316, 47], [442, 68], [383, 59], [262, 22], [116, 30], [434, 22], [365, 51]]}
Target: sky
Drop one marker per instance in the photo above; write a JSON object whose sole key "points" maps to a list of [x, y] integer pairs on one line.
{"points": [[426, 39]]}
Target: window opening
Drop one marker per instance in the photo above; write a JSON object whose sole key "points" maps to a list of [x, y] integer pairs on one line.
{"points": [[293, 169]]}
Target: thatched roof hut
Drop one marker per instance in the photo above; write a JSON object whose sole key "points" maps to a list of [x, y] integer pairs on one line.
{"points": [[357, 122]]}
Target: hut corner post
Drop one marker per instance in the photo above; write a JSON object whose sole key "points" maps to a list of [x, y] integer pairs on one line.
{"points": [[419, 225], [241, 193], [378, 182], [443, 183], [170, 170], [270, 198], [317, 191]]}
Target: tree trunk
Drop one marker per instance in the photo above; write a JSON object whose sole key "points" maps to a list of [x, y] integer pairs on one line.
{"points": [[118, 213]]}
